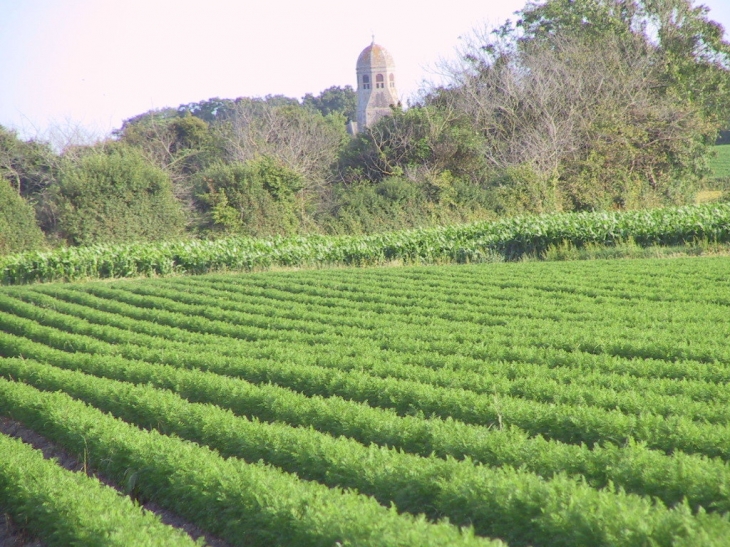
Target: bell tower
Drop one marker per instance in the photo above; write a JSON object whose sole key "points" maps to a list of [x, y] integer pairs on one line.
{"points": [[376, 91]]}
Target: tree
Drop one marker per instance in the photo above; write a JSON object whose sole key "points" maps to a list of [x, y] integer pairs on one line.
{"points": [[333, 100], [112, 194], [173, 143], [421, 142], [298, 138], [176, 142], [579, 109], [30, 166], [210, 110], [692, 57]]}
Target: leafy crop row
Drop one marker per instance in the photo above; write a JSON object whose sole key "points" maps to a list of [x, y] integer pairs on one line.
{"points": [[465, 493], [671, 478], [541, 403], [480, 382], [508, 238], [685, 400], [544, 368], [493, 354], [247, 504], [66, 508], [567, 423]]}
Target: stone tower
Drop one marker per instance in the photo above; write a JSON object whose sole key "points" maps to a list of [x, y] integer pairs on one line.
{"points": [[376, 91]]}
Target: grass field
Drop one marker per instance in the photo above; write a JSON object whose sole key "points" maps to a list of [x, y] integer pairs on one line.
{"points": [[720, 164], [564, 403]]}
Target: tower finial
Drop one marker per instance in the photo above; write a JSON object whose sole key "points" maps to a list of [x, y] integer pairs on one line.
{"points": [[373, 43]]}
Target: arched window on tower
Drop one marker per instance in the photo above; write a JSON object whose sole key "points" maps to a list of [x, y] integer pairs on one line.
{"points": [[392, 80], [366, 82], [379, 81]]}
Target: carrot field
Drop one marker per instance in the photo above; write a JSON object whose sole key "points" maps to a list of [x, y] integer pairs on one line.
{"points": [[539, 403]]}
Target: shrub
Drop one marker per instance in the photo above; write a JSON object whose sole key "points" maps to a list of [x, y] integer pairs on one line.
{"points": [[18, 228], [256, 197], [114, 195]]}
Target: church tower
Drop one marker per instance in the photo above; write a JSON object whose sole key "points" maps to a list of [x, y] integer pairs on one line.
{"points": [[376, 91]]}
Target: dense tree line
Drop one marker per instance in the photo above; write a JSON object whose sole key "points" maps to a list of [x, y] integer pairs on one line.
{"points": [[575, 105]]}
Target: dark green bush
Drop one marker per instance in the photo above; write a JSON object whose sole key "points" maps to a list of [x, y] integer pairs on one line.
{"points": [[18, 228], [257, 197], [114, 195], [397, 203]]}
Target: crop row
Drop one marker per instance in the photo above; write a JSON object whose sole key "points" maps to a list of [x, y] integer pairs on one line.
{"points": [[431, 308], [504, 355], [467, 494], [246, 504], [635, 468], [531, 387], [486, 241], [569, 423], [676, 339], [171, 325], [430, 320], [484, 301], [66, 508], [487, 343]]}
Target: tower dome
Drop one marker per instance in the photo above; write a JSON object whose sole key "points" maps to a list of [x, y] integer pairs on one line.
{"points": [[376, 91], [375, 56]]}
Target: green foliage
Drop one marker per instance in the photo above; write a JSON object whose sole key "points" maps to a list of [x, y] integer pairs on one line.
{"points": [[692, 50], [340, 462], [367, 208], [649, 90], [522, 189], [631, 166], [210, 110], [114, 195], [507, 239], [422, 138], [30, 166], [470, 392], [333, 100], [397, 203], [180, 144], [416, 168], [18, 229], [720, 162], [65, 508], [253, 198], [175, 133], [249, 504]]}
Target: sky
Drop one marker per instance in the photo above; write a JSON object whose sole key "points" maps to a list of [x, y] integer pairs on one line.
{"points": [[87, 65]]}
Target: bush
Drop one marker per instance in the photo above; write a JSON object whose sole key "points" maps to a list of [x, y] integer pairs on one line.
{"points": [[18, 228], [256, 197], [114, 195], [398, 202]]}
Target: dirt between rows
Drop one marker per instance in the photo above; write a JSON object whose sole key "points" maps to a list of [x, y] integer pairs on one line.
{"points": [[12, 535]]}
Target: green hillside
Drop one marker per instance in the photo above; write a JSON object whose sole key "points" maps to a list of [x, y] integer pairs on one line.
{"points": [[563, 403]]}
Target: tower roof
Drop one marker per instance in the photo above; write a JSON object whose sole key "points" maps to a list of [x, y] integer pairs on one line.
{"points": [[375, 56]]}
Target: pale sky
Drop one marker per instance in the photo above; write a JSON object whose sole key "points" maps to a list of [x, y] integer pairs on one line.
{"points": [[95, 63]]}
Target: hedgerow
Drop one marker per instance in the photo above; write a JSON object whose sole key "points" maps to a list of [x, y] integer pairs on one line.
{"points": [[506, 239]]}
